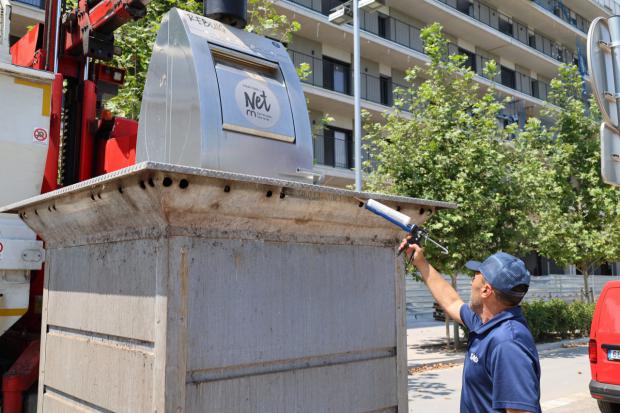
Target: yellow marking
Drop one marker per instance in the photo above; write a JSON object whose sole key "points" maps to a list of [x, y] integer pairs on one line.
{"points": [[12, 312], [47, 93]]}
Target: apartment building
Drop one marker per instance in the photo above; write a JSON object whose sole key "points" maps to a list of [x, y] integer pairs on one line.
{"points": [[529, 39]]}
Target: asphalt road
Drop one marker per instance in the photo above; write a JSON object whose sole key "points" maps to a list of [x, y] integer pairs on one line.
{"points": [[564, 385]]}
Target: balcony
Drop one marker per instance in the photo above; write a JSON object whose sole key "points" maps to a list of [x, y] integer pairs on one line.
{"points": [[335, 149], [513, 28], [565, 14], [406, 35], [337, 77], [610, 6], [40, 4], [512, 79]]}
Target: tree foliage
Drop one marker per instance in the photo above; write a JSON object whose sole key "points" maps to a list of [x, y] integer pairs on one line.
{"points": [[136, 41], [578, 220], [443, 142]]}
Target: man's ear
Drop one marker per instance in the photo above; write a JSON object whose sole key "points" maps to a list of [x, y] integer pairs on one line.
{"points": [[486, 290]]}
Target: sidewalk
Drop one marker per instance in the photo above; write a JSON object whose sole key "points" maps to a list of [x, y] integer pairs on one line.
{"points": [[426, 343]]}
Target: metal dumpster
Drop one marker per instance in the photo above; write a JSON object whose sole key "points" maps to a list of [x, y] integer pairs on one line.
{"points": [[175, 289]]}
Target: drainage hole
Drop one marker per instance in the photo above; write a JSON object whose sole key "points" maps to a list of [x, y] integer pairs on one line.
{"points": [[167, 181], [269, 194], [142, 185], [151, 182], [184, 183], [282, 195], [120, 189], [227, 188]]}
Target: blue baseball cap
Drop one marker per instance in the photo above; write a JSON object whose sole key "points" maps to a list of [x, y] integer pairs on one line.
{"points": [[503, 271]]}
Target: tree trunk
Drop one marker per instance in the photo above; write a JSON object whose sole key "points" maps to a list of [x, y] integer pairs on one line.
{"points": [[456, 335], [586, 286]]}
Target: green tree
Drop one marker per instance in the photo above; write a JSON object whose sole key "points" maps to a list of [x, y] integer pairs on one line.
{"points": [[578, 219], [136, 41], [449, 146]]}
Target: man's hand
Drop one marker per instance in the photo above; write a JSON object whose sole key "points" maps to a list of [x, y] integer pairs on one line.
{"points": [[419, 260], [442, 291]]}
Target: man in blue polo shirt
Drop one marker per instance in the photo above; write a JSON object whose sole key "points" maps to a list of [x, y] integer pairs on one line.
{"points": [[501, 371]]}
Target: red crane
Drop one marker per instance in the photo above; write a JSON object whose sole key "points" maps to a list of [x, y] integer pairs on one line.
{"points": [[85, 139]]}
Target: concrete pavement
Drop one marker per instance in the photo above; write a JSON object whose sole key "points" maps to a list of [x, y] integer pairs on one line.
{"points": [[426, 345], [564, 385], [564, 381]]}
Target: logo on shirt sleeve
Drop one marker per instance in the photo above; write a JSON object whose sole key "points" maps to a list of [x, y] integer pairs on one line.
{"points": [[473, 357]]}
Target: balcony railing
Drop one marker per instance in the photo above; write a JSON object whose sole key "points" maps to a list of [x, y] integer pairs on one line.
{"points": [[611, 5], [408, 36], [564, 13], [519, 82], [374, 89], [391, 28], [34, 3], [513, 28], [333, 152]]}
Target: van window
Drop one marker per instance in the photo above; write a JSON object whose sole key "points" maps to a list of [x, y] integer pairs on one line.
{"points": [[610, 311]]}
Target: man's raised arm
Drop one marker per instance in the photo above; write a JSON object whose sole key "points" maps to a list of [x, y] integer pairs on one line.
{"points": [[442, 291]]}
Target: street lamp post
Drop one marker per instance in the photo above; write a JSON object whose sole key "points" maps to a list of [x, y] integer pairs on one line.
{"points": [[357, 97], [341, 15]]}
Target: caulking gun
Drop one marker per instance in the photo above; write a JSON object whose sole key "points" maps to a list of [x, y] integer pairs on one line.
{"points": [[417, 233]]}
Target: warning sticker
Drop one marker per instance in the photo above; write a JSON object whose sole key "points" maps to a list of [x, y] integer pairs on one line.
{"points": [[40, 136]]}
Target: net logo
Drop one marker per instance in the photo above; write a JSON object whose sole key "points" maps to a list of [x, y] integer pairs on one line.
{"points": [[257, 103]]}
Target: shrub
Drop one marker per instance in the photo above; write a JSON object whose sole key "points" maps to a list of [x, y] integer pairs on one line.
{"points": [[556, 318]]}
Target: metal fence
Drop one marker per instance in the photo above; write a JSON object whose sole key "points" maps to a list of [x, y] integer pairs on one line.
{"points": [[563, 286]]}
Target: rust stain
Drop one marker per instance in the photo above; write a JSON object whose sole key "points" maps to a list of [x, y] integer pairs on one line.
{"points": [[237, 259], [184, 281]]}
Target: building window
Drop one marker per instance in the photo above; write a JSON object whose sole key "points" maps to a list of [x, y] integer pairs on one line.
{"points": [[385, 84], [508, 77], [505, 26], [464, 6], [535, 91], [336, 75], [471, 58], [384, 26], [338, 147]]}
